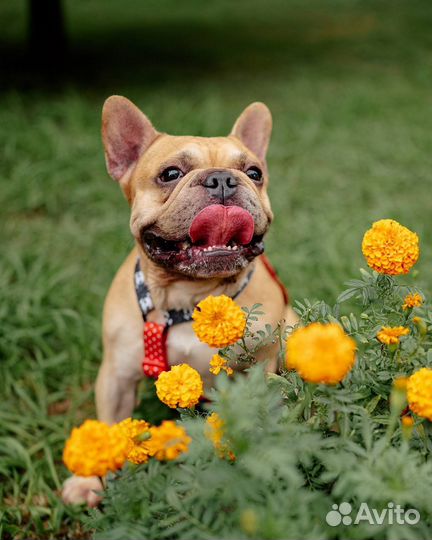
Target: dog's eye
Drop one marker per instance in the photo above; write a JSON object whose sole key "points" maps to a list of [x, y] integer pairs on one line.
{"points": [[254, 174], [170, 174]]}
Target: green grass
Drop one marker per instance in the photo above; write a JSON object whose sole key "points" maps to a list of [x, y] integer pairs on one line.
{"points": [[349, 85]]}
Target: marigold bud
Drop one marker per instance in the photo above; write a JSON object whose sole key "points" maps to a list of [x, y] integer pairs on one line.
{"points": [[248, 521], [421, 325]]}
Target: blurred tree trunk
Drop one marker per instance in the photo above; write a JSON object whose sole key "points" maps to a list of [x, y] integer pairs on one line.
{"points": [[46, 31]]}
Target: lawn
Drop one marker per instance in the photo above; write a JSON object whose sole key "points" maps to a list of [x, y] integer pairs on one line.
{"points": [[349, 86]]}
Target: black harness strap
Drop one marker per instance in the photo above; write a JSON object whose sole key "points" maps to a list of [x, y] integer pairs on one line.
{"points": [[172, 316]]}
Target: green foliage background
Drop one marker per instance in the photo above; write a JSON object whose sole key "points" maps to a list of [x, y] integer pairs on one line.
{"points": [[349, 85]]}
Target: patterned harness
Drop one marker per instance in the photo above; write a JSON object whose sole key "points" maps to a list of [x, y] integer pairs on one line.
{"points": [[155, 335]]}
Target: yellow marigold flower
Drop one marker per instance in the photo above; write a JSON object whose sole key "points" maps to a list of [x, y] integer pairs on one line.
{"points": [[94, 448], [400, 383], [412, 301], [390, 248], [419, 393], [320, 353], [217, 364], [134, 432], [407, 421], [167, 441], [181, 386], [389, 335], [215, 433], [218, 321]]}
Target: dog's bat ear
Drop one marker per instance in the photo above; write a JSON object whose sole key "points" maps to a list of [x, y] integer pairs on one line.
{"points": [[126, 134], [253, 127]]}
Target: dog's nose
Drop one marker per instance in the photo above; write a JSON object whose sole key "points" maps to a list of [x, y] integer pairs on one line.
{"points": [[221, 185]]}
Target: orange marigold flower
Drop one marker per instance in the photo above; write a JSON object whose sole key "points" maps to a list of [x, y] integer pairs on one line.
{"points": [[390, 248], [219, 321], [219, 364], [94, 448], [135, 432], [181, 386], [389, 335], [412, 301], [419, 393], [167, 441], [320, 353], [215, 433]]}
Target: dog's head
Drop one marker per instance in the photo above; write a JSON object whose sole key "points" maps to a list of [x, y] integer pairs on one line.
{"points": [[199, 206]]}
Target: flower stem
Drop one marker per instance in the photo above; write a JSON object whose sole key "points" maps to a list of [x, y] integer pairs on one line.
{"points": [[305, 403]]}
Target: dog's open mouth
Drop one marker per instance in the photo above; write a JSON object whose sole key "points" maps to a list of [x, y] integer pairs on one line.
{"points": [[221, 241], [186, 250]]}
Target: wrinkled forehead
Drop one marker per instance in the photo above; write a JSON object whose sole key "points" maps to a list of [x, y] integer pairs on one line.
{"points": [[199, 152]]}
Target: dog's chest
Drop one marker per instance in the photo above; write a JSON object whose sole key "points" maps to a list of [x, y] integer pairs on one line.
{"points": [[184, 347]]}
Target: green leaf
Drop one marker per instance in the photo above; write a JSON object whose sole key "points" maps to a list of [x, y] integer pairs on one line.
{"points": [[346, 295], [371, 405]]}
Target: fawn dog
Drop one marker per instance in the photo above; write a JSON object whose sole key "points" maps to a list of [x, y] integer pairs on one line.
{"points": [[199, 213]]}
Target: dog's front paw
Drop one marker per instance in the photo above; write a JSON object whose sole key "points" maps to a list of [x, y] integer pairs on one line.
{"points": [[81, 489]]}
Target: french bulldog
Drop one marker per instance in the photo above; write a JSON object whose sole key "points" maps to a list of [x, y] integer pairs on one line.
{"points": [[199, 213]]}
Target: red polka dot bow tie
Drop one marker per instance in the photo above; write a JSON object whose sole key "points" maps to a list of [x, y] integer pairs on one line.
{"points": [[155, 359]]}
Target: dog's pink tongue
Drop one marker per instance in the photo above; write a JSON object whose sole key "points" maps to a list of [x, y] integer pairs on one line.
{"points": [[217, 225]]}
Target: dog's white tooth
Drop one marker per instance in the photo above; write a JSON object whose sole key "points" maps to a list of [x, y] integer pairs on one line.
{"points": [[184, 245]]}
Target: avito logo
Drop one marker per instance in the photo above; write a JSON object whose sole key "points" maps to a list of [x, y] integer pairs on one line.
{"points": [[391, 514]]}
